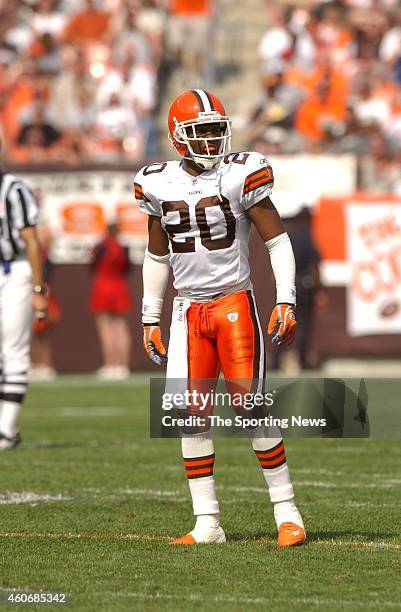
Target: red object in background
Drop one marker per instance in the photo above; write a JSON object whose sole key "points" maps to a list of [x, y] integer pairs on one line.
{"points": [[110, 292]]}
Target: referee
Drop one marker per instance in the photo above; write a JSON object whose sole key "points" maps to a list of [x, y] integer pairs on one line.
{"points": [[22, 294]]}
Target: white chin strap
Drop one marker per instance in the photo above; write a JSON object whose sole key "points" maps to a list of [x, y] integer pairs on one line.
{"points": [[207, 164]]}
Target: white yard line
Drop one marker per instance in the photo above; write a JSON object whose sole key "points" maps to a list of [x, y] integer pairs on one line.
{"points": [[340, 603], [28, 497], [97, 411]]}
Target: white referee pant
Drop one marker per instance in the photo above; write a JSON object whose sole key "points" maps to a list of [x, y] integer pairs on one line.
{"points": [[15, 329]]}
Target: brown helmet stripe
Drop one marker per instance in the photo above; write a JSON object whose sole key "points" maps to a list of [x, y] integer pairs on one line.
{"points": [[210, 100], [200, 101]]}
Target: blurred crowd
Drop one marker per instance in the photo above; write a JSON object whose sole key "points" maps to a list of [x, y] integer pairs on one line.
{"points": [[81, 79], [331, 83]]}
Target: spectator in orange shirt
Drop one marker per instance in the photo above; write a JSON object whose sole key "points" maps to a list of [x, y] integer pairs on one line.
{"points": [[319, 115], [90, 25]]}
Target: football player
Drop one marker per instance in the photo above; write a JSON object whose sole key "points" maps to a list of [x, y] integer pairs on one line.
{"points": [[200, 209]]}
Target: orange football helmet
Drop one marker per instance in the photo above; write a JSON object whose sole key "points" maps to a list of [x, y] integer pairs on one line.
{"points": [[188, 111]]}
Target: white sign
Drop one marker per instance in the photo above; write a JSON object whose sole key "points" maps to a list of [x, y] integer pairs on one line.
{"points": [[302, 180], [374, 252]]}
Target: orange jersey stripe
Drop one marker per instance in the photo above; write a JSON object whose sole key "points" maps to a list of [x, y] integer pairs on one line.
{"points": [[255, 175], [265, 171]]}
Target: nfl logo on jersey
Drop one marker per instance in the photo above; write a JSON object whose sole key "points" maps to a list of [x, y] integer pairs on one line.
{"points": [[232, 316]]}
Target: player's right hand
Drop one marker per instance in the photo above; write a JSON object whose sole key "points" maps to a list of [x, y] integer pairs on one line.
{"points": [[153, 342]]}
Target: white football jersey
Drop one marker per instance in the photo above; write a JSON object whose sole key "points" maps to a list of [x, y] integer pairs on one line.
{"points": [[205, 219]]}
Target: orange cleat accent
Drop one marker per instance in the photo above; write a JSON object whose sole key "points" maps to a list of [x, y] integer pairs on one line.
{"points": [[186, 539], [290, 534]]}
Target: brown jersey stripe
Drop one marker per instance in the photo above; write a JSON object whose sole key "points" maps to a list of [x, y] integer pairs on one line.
{"points": [[265, 171], [262, 177], [257, 184], [255, 175]]}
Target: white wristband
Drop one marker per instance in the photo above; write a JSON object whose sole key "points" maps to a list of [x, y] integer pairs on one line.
{"points": [[283, 265], [155, 273]]}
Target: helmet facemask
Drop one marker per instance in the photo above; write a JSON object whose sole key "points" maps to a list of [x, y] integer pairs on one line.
{"points": [[185, 133]]}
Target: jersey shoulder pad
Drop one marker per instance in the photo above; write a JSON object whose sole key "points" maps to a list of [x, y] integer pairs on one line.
{"points": [[256, 177], [247, 162], [144, 183], [246, 159]]}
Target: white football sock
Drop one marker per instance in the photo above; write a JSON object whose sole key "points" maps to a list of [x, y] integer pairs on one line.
{"points": [[203, 493], [203, 490], [207, 521], [277, 479], [9, 417], [285, 512]]}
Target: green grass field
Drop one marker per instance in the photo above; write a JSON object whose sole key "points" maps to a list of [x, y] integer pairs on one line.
{"points": [[89, 503]]}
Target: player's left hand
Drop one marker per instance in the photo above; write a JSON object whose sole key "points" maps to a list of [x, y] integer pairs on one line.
{"points": [[282, 324]]}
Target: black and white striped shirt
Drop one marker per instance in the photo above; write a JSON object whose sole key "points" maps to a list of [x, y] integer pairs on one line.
{"points": [[18, 209]]}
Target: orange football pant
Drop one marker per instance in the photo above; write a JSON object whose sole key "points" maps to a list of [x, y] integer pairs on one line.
{"points": [[226, 334]]}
